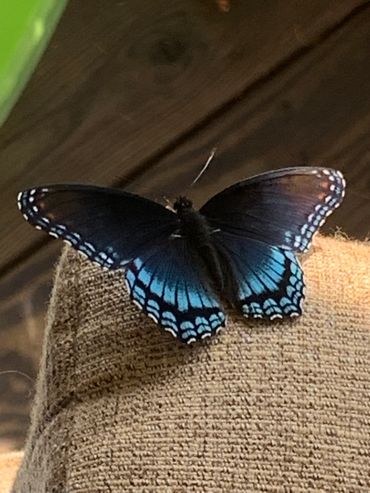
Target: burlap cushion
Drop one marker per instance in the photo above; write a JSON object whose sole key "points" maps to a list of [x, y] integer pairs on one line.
{"points": [[124, 407]]}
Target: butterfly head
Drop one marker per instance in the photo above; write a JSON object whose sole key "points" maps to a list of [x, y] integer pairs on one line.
{"points": [[182, 204]]}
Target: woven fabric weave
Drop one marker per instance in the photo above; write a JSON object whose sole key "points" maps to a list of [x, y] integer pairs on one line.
{"points": [[123, 407]]}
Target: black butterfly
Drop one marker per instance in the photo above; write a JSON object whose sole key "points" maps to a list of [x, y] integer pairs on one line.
{"points": [[240, 245]]}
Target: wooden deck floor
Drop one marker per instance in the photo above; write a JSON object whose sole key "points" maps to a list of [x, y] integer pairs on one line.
{"points": [[136, 94]]}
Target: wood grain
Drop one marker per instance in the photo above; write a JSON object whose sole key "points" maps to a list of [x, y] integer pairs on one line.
{"points": [[122, 81]]}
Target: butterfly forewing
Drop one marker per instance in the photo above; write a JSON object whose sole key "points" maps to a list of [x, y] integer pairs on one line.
{"points": [[109, 226], [283, 208]]}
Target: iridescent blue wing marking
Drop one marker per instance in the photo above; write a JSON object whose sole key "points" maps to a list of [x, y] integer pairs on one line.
{"points": [[283, 208], [109, 226], [168, 284], [266, 281]]}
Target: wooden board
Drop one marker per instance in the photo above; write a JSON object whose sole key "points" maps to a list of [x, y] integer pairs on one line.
{"points": [[121, 82]]}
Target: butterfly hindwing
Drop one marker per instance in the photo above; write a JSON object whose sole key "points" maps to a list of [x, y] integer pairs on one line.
{"points": [[267, 281], [168, 285], [283, 208], [107, 225]]}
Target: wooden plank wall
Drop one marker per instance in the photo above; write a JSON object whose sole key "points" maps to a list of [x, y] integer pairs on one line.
{"points": [[136, 94]]}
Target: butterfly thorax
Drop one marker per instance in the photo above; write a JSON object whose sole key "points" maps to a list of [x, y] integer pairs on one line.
{"points": [[193, 225], [196, 230]]}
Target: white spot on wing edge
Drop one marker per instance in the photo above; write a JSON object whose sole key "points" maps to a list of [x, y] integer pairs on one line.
{"points": [[310, 217], [89, 246], [340, 174], [191, 340], [150, 315], [137, 304], [219, 329], [171, 331]]}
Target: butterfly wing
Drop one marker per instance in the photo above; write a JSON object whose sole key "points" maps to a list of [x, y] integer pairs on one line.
{"points": [[283, 208], [117, 229], [168, 284], [109, 226], [264, 281]]}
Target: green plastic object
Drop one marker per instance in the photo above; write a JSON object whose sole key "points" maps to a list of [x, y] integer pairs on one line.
{"points": [[25, 28]]}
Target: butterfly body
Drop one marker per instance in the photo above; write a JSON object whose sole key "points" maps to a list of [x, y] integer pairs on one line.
{"points": [[240, 246], [199, 236]]}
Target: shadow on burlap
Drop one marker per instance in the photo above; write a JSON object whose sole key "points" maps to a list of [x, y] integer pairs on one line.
{"points": [[123, 407]]}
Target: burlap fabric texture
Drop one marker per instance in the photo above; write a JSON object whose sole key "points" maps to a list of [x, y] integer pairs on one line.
{"points": [[124, 407]]}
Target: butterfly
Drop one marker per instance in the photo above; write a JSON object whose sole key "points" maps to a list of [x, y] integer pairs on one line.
{"points": [[178, 264]]}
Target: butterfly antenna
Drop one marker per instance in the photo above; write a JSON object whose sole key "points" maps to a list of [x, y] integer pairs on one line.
{"points": [[211, 156]]}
